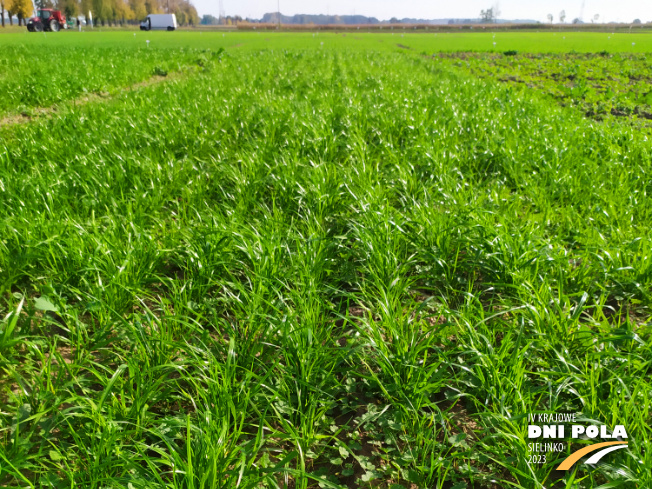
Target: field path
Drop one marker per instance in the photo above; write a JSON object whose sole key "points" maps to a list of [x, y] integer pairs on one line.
{"points": [[41, 112]]}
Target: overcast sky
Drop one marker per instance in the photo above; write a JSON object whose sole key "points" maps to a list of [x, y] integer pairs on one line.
{"points": [[609, 10]]}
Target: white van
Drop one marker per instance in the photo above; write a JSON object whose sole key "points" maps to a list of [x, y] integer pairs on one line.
{"points": [[166, 22]]}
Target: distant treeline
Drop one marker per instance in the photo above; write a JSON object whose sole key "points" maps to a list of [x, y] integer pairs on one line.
{"points": [[325, 20], [244, 25], [300, 21], [116, 12]]}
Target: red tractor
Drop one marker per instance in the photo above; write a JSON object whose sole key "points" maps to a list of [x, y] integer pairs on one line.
{"points": [[47, 19]]}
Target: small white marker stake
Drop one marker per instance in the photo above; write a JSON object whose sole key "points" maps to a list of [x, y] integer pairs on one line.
{"points": [[147, 42]]}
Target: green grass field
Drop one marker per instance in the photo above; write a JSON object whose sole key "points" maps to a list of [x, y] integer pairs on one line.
{"points": [[532, 41], [279, 263]]}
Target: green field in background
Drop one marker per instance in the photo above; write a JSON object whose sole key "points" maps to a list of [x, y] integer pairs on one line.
{"points": [[538, 42]]}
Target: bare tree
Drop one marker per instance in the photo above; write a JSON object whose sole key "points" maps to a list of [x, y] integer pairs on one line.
{"points": [[595, 18], [562, 16], [487, 16], [550, 18], [496, 10]]}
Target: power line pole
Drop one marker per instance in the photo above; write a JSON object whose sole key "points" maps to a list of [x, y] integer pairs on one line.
{"points": [[278, 9], [221, 19]]}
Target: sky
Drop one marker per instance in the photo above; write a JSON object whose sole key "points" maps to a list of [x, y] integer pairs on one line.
{"points": [[608, 10]]}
